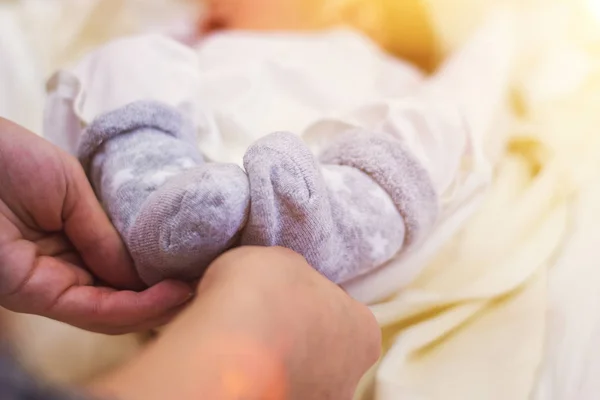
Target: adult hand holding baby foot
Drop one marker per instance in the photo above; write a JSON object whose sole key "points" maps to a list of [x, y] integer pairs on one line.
{"points": [[176, 212], [55, 238], [264, 325], [55, 241]]}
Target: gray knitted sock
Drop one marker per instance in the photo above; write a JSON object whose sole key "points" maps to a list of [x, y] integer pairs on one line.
{"points": [[175, 212], [346, 217]]}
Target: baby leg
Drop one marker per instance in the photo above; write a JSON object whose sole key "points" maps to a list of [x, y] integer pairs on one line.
{"points": [[347, 216], [175, 212]]}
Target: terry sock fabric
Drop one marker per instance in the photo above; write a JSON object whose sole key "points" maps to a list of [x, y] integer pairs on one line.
{"points": [[175, 212], [368, 200], [396, 170]]}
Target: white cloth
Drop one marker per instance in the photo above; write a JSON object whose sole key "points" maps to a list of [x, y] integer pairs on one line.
{"points": [[240, 86]]}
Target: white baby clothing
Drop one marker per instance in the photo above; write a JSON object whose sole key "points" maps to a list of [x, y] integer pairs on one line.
{"points": [[237, 87]]}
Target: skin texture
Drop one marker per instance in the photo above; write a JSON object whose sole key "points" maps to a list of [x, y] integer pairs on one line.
{"points": [[260, 15], [264, 325], [60, 257]]}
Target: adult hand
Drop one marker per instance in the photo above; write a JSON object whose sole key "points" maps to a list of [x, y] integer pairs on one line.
{"points": [[264, 326], [57, 244]]}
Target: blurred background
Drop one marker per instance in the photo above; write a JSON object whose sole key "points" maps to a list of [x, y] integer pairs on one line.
{"points": [[542, 331]]}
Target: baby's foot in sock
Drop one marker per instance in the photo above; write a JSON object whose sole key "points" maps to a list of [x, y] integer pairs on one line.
{"points": [[370, 227], [388, 162], [175, 212], [339, 218]]}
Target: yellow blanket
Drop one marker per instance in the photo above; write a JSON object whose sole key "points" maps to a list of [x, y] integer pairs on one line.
{"points": [[474, 325]]}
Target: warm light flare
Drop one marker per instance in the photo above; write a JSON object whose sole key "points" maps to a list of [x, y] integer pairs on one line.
{"points": [[594, 6]]}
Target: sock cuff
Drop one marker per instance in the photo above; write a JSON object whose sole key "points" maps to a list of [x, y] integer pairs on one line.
{"points": [[389, 163], [132, 117]]}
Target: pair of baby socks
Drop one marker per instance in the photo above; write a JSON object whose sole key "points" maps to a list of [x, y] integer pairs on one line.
{"points": [[347, 212]]}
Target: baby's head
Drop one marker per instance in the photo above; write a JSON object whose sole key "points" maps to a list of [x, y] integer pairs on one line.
{"points": [[263, 15], [403, 27]]}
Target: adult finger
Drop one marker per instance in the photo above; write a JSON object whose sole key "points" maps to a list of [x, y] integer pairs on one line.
{"points": [[95, 238], [108, 310]]}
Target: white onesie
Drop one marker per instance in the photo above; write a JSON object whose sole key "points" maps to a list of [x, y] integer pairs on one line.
{"points": [[239, 86]]}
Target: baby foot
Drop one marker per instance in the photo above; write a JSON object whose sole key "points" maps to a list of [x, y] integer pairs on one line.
{"points": [[339, 218], [396, 170], [188, 222], [175, 212]]}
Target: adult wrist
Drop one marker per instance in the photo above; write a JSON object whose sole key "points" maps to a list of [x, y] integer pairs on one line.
{"points": [[228, 367]]}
